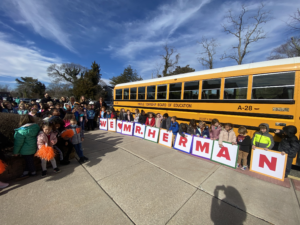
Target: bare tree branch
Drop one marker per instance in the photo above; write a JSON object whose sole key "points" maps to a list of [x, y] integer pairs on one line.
{"points": [[287, 50], [294, 22], [246, 30], [168, 62], [209, 50]]}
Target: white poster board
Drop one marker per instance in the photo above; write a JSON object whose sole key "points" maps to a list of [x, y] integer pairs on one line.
{"points": [[165, 138], [202, 147], [127, 128], [103, 124], [119, 126], [269, 163], [183, 144], [227, 155], [112, 125], [151, 134], [139, 130]]}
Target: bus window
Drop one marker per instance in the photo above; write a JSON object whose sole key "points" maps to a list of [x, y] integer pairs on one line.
{"points": [[211, 89], [175, 91], [162, 92], [191, 90], [151, 92], [273, 86], [126, 93], [119, 94], [236, 87], [141, 93], [133, 93]]}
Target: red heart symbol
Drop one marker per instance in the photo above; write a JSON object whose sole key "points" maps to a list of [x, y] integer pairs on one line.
{"points": [[120, 125]]}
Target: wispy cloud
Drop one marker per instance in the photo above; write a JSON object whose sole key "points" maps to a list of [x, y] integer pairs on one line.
{"points": [[19, 61], [37, 15]]}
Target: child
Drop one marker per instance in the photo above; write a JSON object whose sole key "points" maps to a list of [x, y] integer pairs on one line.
{"points": [[25, 143], [150, 121], [108, 114], [142, 117], [202, 130], [22, 110], [77, 139], [166, 121], [158, 120], [137, 115], [113, 113], [174, 128], [122, 115], [244, 143], [289, 145], [47, 137], [102, 112], [33, 112], [215, 129], [183, 129], [227, 134], [191, 129], [8, 108], [263, 139], [129, 117], [90, 116], [68, 117]]}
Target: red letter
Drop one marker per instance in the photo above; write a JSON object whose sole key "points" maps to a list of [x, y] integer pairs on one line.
{"points": [[103, 124], [127, 128], [183, 141], [151, 133], [263, 159], [138, 130], [111, 124], [203, 147], [165, 137], [224, 153]]}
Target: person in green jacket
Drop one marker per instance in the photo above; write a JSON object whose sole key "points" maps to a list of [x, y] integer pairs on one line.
{"points": [[263, 139], [17, 100], [25, 143]]}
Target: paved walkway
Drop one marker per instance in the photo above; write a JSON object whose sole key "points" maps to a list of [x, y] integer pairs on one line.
{"points": [[132, 181]]}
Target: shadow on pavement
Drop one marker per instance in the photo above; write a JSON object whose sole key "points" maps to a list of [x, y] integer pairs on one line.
{"points": [[219, 208]]}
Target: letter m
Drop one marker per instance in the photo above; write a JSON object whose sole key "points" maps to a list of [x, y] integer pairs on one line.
{"points": [[264, 160], [127, 127], [204, 147]]}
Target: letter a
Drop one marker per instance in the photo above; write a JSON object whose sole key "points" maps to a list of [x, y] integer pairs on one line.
{"points": [[263, 159], [224, 153]]}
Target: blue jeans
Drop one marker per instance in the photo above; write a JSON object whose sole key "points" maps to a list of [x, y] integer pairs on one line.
{"points": [[78, 149]]}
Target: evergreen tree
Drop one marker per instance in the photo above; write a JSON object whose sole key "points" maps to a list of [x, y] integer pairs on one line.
{"points": [[29, 87], [180, 70], [128, 75]]}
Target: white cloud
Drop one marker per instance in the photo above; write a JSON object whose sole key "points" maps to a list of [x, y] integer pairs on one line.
{"points": [[35, 14], [19, 61]]}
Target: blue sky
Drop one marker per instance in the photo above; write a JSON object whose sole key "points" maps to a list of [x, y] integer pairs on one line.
{"points": [[115, 33]]}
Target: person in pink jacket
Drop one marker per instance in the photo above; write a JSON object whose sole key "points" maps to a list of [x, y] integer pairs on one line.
{"points": [[47, 137], [215, 129], [227, 135]]}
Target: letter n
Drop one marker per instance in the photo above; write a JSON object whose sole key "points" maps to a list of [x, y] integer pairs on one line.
{"points": [[263, 159]]}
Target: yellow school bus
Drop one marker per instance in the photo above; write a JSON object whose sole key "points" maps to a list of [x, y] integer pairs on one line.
{"points": [[249, 94]]}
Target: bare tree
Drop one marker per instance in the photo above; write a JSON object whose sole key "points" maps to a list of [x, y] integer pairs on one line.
{"points": [[294, 22], [157, 70], [168, 62], [5, 88], [287, 50], [247, 30], [208, 52]]}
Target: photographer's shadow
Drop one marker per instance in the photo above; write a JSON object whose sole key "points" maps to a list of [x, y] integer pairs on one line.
{"points": [[223, 213]]}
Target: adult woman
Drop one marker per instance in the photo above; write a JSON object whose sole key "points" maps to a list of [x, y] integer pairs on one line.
{"points": [[83, 100], [71, 103], [63, 100]]}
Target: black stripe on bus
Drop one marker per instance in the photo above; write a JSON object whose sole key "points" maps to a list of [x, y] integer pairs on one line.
{"points": [[287, 102], [217, 112]]}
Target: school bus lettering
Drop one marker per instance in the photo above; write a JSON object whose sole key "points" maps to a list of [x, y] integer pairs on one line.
{"points": [[162, 104], [246, 108], [182, 105], [141, 104], [150, 104]]}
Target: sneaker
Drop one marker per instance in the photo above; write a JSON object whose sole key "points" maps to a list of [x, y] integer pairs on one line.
{"points": [[85, 158], [244, 168], [238, 166], [82, 160], [44, 173], [56, 170], [3, 185]]}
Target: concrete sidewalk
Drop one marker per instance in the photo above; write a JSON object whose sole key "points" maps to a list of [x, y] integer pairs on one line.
{"points": [[132, 181]]}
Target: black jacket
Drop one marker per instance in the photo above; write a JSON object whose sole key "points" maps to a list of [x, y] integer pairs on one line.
{"points": [[131, 118], [45, 100], [98, 106], [181, 130], [289, 143], [244, 143], [142, 119]]}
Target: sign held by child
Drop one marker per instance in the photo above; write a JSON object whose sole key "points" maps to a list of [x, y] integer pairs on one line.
{"points": [[119, 126], [269, 163], [127, 128], [183, 144], [151, 134], [165, 138], [112, 125], [139, 130], [226, 153], [202, 147], [103, 124]]}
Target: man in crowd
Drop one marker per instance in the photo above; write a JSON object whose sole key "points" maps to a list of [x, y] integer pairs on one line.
{"points": [[46, 99]]}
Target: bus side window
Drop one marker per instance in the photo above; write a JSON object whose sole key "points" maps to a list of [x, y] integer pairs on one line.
{"points": [[141, 93], [175, 91], [126, 93], [273, 86], [133, 93], [162, 91], [191, 90], [236, 87], [151, 92], [119, 94], [211, 89]]}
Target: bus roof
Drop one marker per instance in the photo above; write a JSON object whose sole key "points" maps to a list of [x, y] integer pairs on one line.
{"points": [[277, 62]]}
